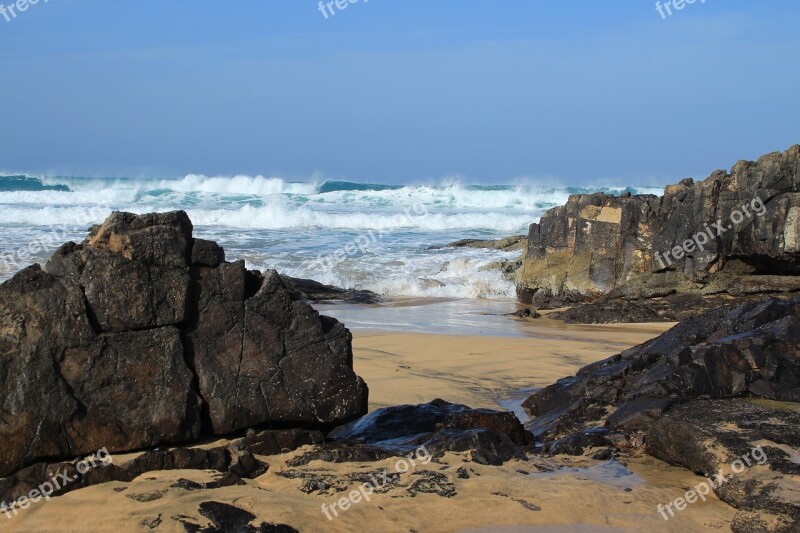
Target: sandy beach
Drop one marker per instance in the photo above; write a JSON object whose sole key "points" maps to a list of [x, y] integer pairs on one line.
{"points": [[484, 371], [560, 494]]}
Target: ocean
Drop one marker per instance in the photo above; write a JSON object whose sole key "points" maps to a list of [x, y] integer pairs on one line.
{"points": [[385, 238]]}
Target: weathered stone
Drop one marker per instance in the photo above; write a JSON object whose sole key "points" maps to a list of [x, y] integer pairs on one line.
{"points": [[492, 437], [228, 518], [746, 443], [314, 291], [506, 244], [207, 253], [67, 390], [278, 359], [752, 349], [624, 247], [141, 336]]}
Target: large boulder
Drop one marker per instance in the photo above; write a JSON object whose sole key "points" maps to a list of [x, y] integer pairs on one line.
{"points": [[597, 244], [142, 336]]}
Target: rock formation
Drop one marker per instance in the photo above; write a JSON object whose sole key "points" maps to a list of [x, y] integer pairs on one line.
{"points": [[685, 396], [735, 233], [143, 335]]}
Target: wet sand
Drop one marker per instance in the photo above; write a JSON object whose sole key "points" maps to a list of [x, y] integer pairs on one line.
{"points": [[482, 371]]}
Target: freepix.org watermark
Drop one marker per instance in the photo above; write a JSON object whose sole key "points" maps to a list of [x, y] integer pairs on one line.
{"points": [[712, 231], [57, 482], [665, 9], [364, 492], [15, 260], [363, 243], [703, 489], [327, 8], [10, 11]]}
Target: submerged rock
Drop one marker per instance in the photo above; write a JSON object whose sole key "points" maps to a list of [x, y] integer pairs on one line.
{"points": [[142, 336]]}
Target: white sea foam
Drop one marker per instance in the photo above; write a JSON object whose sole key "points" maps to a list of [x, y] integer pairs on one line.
{"points": [[275, 223]]}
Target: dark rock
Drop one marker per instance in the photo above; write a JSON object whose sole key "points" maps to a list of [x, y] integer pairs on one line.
{"points": [[507, 244], [401, 426], [228, 479], [121, 343], [430, 482], [276, 442], [752, 349], [236, 458], [528, 505], [207, 253], [709, 437], [67, 389], [261, 356], [492, 437], [576, 443], [526, 313], [314, 291], [227, 518], [610, 312], [381, 481], [343, 451]]}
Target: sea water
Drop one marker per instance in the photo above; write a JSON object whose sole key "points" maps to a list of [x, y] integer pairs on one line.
{"points": [[303, 229]]}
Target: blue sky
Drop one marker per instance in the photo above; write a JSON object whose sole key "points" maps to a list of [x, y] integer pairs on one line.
{"points": [[391, 91]]}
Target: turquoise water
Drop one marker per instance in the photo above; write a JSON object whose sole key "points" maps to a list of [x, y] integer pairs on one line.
{"points": [[354, 235]]}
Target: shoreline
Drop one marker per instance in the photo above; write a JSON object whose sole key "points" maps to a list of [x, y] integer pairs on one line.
{"points": [[468, 317]]}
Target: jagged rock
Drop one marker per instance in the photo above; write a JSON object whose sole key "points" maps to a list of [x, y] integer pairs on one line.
{"points": [[207, 253], [670, 308], [276, 442], [684, 396], [262, 357], [611, 312], [753, 349], [141, 336], [597, 243], [314, 291], [66, 389]]}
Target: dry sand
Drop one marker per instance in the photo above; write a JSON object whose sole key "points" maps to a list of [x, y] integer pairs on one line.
{"points": [[540, 495]]}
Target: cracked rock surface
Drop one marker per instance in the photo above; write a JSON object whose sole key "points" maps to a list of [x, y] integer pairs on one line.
{"points": [[143, 336]]}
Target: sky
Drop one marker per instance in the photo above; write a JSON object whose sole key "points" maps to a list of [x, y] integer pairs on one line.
{"points": [[398, 91]]}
